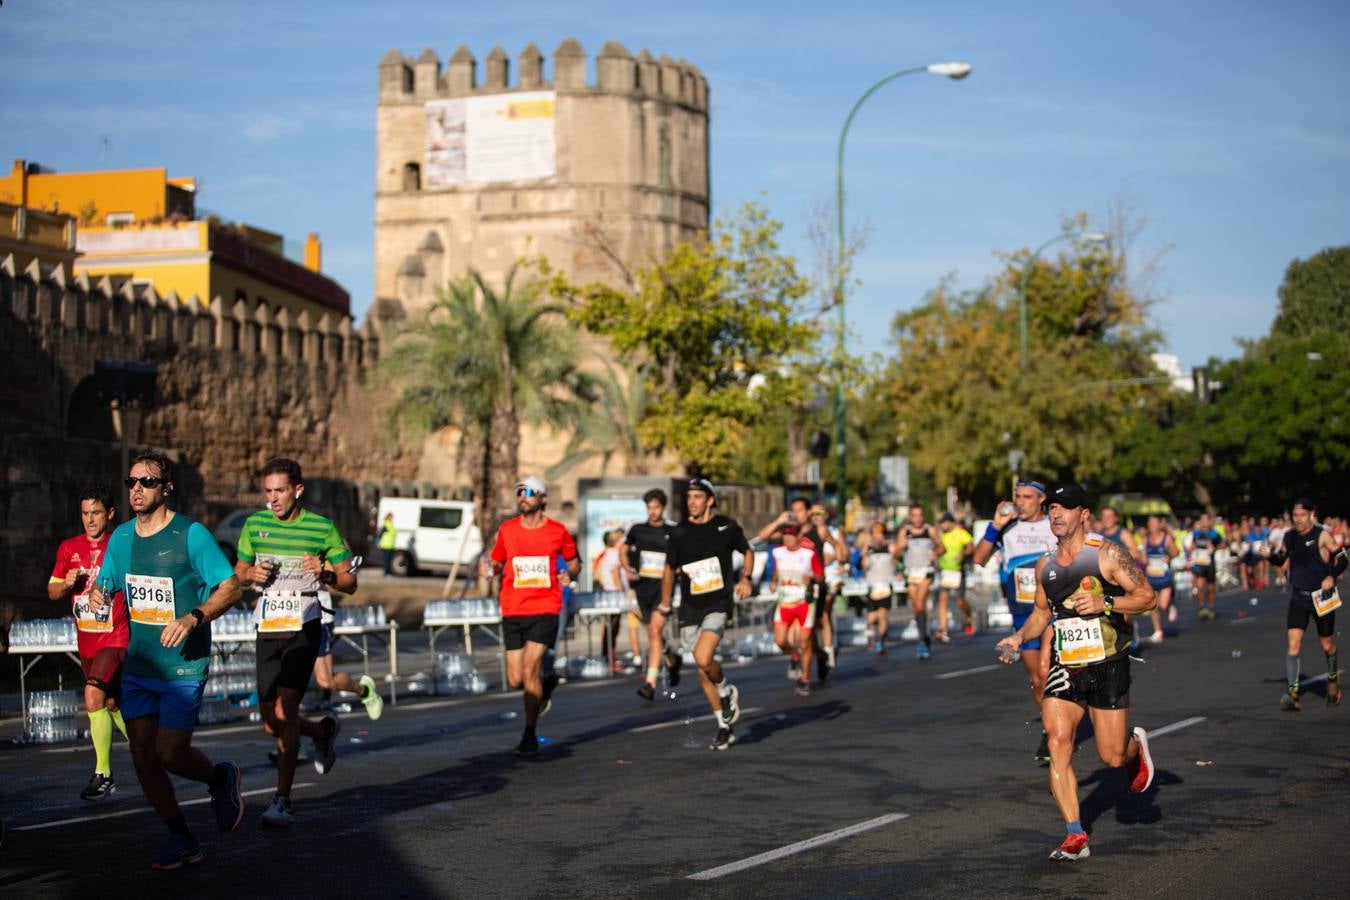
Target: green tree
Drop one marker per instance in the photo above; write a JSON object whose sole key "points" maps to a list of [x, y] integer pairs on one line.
{"points": [[482, 361], [609, 426], [699, 325], [1315, 295]]}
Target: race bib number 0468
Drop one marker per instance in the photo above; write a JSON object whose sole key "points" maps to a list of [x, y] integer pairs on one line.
{"points": [[531, 571], [150, 600]]}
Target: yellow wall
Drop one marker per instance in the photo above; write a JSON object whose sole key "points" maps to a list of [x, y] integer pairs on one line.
{"points": [[225, 281], [141, 192]]}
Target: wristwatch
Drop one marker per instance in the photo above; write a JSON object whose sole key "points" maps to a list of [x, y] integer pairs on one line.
{"points": [[328, 576], [197, 614]]}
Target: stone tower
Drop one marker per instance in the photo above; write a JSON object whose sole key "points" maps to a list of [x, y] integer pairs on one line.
{"points": [[475, 168]]}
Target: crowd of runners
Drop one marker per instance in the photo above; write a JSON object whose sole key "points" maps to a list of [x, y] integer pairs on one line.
{"points": [[1076, 581]]}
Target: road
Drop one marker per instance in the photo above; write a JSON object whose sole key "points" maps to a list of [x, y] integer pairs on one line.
{"points": [[931, 761]]}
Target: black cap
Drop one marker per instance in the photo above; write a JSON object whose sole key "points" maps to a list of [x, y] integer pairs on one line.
{"points": [[946, 517], [1069, 495], [704, 485]]}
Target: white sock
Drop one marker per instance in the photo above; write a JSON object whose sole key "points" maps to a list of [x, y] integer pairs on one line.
{"points": [[724, 687]]}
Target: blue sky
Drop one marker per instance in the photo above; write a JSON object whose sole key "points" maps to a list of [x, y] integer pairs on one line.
{"points": [[1225, 124]]}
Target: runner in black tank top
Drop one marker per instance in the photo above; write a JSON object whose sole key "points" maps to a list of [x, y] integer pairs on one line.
{"points": [[1313, 562], [1085, 587]]}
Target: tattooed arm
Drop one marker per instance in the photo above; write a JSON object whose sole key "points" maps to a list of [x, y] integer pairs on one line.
{"points": [[1119, 567]]}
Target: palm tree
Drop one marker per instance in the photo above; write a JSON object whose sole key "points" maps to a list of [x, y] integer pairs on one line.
{"points": [[608, 427], [483, 361]]}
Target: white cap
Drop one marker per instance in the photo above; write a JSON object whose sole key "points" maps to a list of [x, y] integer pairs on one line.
{"points": [[534, 483]]}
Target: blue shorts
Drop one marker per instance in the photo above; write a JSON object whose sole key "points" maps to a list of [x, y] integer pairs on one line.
{"points": [[325, 640], [1159, 583], [1020, 619], [175, 702]]}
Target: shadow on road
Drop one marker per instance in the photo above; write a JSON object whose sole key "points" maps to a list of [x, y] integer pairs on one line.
{"points": [[766, 726]]}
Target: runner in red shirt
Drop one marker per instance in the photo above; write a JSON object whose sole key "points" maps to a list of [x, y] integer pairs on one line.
{"points": [[526, 555], [103, 636]]}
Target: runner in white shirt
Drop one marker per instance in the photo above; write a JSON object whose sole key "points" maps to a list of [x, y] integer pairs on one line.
{"points": [[795, 567]]}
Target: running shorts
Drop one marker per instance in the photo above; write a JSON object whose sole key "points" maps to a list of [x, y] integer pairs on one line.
{"points": [[716, 622], [1104, 685], [648, 593], [875, 605], [1020, 617], [287, 662], [1301, 609], [176, 703], [1205, 572], [803, 614], [536, 629], [104, 670], [325, 640]]}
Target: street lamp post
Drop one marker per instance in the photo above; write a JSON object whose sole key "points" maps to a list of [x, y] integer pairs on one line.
{"points": [[1092, 237], [953, 70]]}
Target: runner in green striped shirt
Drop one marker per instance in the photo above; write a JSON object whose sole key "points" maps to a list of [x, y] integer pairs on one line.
{"points": [[282, 553]]}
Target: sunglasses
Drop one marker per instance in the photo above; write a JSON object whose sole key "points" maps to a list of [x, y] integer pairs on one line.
{"points": [[146, 481], [528, 492]]}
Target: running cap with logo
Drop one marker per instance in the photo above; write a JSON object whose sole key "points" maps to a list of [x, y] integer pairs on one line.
{"points": [[534, 483], [1070, 496], [704, 485]]}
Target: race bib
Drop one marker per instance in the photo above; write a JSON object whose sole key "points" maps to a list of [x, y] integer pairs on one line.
{"points": [[150, 600], [705, 576], [791, 592], [919, 574], [86, 620], [280, 613], [1026, 584], [652, 564], [1326, 601], [531, 572], [950, 579], [1157, 567], [1079, 641], [1200, 558]]}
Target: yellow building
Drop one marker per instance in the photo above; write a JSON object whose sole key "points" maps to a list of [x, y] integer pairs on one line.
{"points": [[139, 225], [31, 234]]}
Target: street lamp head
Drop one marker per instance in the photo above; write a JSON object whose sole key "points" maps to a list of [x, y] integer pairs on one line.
{"points": [[1093, 237], [953, 70]]}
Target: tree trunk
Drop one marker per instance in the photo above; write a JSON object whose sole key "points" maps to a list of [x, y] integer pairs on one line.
{"points": [[504, 437], [798, 454]]}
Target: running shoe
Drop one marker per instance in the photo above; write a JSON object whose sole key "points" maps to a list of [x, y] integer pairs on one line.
{"points": [[528, 746], [226, 801], [1334, 692], [374, 703], [923, 652], [881, 648], [803, 688], [731, 705], [278, 813], [794, 667], [673, 663], [178, 851], [646, 691], [970, 628], [1171, 613], [725, 738], [1142, 776], [1075, 846], [1043, 750], [824, 663], [100, 787], [1289, 701], [1155, 638], [551, 682], [325, 748], [943, 637]]}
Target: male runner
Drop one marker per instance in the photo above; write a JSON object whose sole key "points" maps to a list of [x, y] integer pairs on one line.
{"points": [[957, 546], [795, 567], [175, 580], [1114, 532], [878, 563], [1313, 562], [700, 550], [815, 534], [282, 552], [919, 542], [1157, 554], [102, 638], [1022, 530], [1204, 540], [834, 561], [525, 555], [644, 550], [1085, 587]]}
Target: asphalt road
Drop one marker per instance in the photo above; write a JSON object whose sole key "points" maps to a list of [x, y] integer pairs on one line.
{"points": [[931, 761]]}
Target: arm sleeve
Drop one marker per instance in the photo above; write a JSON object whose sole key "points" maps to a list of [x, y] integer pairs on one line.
{"points": [[335, 548], [206, 557], [245, 550]]}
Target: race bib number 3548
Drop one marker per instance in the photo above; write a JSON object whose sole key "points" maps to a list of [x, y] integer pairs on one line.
{"points": [[705, 576], [150, 600]]}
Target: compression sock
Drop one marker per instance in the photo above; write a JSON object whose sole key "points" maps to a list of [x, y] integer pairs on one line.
{"points": [[177, 825], [1332, 672], [1291, 672], [100, 733], [1075, 827], [119, 722], [921, 619]]}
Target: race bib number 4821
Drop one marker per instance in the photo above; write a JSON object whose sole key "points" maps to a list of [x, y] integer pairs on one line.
{"points": [[531, 571], [1079, 641], [705, 576], [150, 600]]}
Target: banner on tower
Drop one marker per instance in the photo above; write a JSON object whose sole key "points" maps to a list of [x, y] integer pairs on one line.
{"points": [[500, 137]]}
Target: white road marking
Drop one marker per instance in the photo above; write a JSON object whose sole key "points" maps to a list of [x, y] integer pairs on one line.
{"points": [[686, 721], [963, 672], [1175, 726], [790, 849], [146, 809], [1243, 621]]}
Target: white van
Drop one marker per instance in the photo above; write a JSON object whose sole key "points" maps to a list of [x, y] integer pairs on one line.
{"points": [[430, 534]]}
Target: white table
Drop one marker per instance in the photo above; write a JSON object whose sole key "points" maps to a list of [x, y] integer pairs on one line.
{"points": [[490, 625]]}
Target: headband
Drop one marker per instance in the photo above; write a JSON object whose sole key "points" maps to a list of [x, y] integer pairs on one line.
{"points": [[1034, 485]]}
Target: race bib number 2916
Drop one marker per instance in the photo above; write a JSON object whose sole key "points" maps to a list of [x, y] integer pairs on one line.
{"points": [[150, 600]]}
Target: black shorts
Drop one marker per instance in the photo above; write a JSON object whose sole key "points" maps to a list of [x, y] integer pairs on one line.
{"points": [[287, 662], [539, 629], [1301, 610], [1205, 572], [1104, 685], [875, 605], [648, 593]]}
